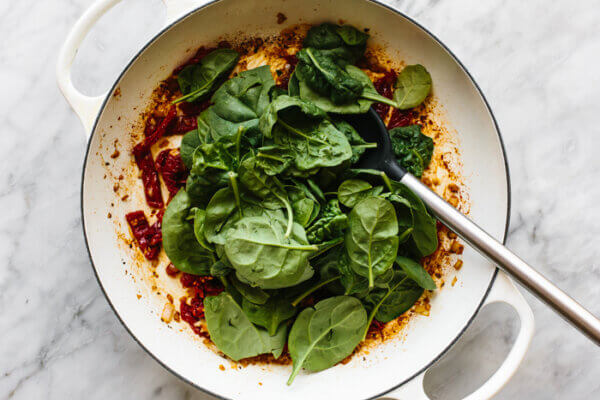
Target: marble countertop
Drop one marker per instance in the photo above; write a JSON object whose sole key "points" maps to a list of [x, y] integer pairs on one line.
{"points": [[536, 61]]}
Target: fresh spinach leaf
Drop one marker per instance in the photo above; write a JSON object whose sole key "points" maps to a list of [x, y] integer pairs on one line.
{"points": [[189, 143], [179, 240], [413, 149], [253, 294], [233, 333], [371, 238], [412, 86], [345, 42], [352, 191], [304, 131], [392, 301], [239, 102], [197, 81], [357, 105], [326, 334], [327, 76], [358, 144], [270, 314], [264, 257], [416, 272], [424, 234]]}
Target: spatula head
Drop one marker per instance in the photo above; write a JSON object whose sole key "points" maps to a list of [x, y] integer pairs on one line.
{"points": [[372, 129]]}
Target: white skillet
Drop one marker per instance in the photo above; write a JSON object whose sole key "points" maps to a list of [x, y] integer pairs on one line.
{"points": [[394, 369]]}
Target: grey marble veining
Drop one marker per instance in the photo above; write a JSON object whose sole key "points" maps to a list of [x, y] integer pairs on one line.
{"points": [[536, 61]]}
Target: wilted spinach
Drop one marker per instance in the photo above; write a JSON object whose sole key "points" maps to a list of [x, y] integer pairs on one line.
{"points": [[413, 150]]}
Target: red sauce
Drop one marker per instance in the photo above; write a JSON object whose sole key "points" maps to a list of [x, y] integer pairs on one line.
{"points": [[170, 166], [182, 124], [148, 237]]}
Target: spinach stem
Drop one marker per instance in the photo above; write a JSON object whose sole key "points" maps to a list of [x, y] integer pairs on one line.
{"points": [[313, 289], [379, 98], [263, 155], [387, 181], [233, 181], [365, 146], [376, 308], [307, 247], [299, 132], [238, 139], [405, 234]]}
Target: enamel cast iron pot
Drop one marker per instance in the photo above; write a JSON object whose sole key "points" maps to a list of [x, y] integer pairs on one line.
{"points": [[394, 369]]}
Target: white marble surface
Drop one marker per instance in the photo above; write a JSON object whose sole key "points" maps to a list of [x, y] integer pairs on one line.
{"points": [[536, 61]]}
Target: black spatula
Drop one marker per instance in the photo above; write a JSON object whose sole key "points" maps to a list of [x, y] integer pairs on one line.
{"points": [[372, 129]]}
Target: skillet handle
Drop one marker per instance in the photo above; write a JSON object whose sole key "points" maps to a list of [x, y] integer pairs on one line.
{"points": [[503, 291], [86, 107]]}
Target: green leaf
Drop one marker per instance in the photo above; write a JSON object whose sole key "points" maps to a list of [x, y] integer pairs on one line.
{"points": [[358, 144], [416, 272], [327, 76], [263, 257], [413, 150], [412, 86], [329, 225], [197, 81], [239, 102], [352, 191], [344, 42], [189, 143], [179, 240], [233, 333], [270, 314], [356, 105], [398, 297], [424, 234], [371, 238], [326, 334], [218, 212], [304, 132], [199, 219], [253, 294]]}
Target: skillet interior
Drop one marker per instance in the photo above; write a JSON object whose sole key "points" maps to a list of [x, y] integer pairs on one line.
{"points": [[389, 364]]}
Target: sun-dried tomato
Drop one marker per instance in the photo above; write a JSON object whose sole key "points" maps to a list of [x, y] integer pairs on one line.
{"points": [[376, 326], [182, 124], [150, 180], [193, 109], [143, 147], [148, 237], [171, 270], [400, 118], [170, 166], [384, 87]]}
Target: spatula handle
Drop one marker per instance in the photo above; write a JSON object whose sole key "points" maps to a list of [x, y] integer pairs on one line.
{"points": [[495, 251]]}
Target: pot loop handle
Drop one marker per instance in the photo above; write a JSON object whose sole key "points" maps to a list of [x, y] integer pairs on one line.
{"points": [[503, 291], [88, 107]]}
